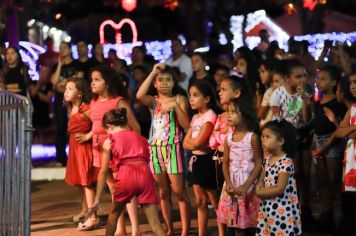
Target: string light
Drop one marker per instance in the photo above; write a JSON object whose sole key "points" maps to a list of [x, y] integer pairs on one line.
{"points": [[129, 5]]}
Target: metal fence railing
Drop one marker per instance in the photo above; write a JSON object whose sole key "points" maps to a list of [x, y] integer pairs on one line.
{"points": [[15, 164]]}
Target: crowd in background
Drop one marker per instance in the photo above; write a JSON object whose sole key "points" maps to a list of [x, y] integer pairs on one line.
{"points": [[325, 84]]}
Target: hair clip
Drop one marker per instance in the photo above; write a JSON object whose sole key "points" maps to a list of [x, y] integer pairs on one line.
{"points": [[277, 118], [237, 74]]}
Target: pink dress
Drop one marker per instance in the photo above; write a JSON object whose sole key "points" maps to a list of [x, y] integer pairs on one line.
{"points": [[241, 213], [349, 168], [97, 111], [221, 130], [80, 169], [130, 157]]}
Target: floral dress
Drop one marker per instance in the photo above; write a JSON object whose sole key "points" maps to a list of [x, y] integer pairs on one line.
{"points": [[349, 170], [280, 215]]}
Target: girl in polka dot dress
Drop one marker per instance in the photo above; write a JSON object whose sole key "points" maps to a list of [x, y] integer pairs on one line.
{"points": [[279, 212]]}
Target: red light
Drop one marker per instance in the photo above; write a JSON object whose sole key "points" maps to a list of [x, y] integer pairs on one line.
{"points": [[129, 5]]}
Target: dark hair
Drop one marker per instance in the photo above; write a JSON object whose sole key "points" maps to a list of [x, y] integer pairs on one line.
{"points": [[269, 64], [239, 83], [248, 113], [252, 75], [222, 67], [83, 88], [333, 71], [202, 55], [20, 64], [116, 117], [344, 85], [170, 71], [284, 129], [208, 91], [291, 65], [113, 80], [141, 68]]}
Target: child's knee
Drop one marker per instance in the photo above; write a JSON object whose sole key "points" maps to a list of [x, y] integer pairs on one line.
{"points": [[201, 202], [164, 194], [180, 195]]}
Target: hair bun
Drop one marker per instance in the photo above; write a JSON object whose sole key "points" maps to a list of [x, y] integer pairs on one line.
{"points": [[121, 112]]}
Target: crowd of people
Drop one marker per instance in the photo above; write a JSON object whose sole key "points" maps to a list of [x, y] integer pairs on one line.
{"points": [[243, 130]]}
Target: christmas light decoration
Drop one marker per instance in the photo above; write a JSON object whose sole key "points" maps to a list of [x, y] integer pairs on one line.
{"points": [[129, 5]]}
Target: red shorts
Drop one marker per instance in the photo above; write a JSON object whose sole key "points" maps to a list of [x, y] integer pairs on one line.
{"points": [[135, 179]]}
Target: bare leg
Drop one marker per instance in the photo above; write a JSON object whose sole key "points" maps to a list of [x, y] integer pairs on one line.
{"points": [[115, 212], [84, 210], [201, 199], [214, 199], [180, 192], [132, 209], [166, 201], [153, 219]]}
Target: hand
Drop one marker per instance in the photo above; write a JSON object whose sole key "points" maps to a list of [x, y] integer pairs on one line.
{"points": [[167, 107], [230, 189], [317, 153], [60, 61], [81, 138], [241, 191], [158, 68], [329, 114]]}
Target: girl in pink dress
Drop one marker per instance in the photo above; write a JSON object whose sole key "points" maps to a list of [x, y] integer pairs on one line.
{"points": [[80, 170], [129, 154], [109, 93], [238, 205]]}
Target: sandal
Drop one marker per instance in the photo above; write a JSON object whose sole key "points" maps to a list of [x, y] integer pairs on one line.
{"points": [[89, 224], [78, 217]]}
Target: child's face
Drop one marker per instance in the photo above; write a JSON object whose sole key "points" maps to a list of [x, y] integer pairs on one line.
{"points": [[324, 83], [277, 80], [226, 93], [198, 63], [265, 75], [241, 66], [71, 93], [233, 115], [197, 100], [11, 56], [297, 77], [138, 76], [270, 141], [98, 84], [219, 75], [353, 85], [164, 83]]}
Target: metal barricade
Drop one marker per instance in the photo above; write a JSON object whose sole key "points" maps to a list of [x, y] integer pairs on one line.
{"points": [[15, 164]]}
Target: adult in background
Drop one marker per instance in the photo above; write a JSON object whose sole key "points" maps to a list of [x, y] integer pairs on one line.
{"points": [[16, 78], [85, 62], [182, 61], [66, 68], [50, 57]]}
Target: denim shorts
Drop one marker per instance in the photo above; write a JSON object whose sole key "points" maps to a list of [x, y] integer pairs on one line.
{"points": [[336, 149]]}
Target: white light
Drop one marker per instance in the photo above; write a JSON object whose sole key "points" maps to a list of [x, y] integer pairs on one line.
{"points": [[182, 39], [222, 39], [31, 22], [326, 59], [67, 39], [207, 68], [52, 30], [202, 49], [45, 28]]}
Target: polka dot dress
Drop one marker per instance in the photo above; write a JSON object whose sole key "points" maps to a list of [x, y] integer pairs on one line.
{"points": [[280, 215]]}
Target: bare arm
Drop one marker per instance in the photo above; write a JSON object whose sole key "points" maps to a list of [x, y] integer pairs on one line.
{"points": [[273, 191], [190, 143], [257, 152], [141, 95], [262, 112], [181, 110], [131, 119]]}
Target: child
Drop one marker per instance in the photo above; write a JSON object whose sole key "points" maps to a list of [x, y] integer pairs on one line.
{"points": [[202, 166], [109, 93], [199, 64], [329, 163], [238, 206], [264, 111], [230, 88], [129, 155], [169, 118], [80, 170], [291, 103], [221, 72], [279, 212]]}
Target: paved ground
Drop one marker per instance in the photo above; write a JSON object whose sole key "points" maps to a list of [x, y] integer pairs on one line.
{"points": [[54, 203]]}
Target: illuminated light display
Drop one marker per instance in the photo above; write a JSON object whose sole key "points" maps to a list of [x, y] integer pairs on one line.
{"points": [[29, 53], [129, 5], [118, 36], [310, 4], [254, 19]]}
